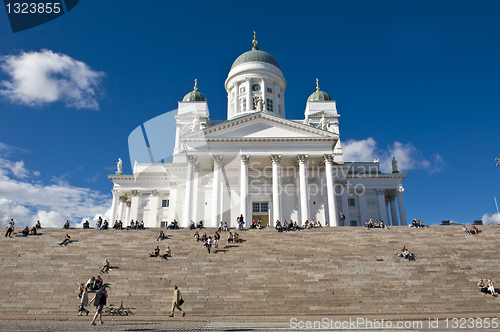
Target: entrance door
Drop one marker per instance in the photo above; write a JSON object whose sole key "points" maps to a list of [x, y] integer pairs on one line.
{"points": [[260, 211]]}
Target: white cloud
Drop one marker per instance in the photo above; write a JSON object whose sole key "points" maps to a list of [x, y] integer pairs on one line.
{"points": [[408, 156], [26, 202], [493, 219], [39, 78], [364, 150]]}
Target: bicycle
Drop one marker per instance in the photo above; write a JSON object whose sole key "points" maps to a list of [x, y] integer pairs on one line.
{"points": [[120, 311]]}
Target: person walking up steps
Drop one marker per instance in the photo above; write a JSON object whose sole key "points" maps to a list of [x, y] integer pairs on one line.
{"points": [[177, 302]]}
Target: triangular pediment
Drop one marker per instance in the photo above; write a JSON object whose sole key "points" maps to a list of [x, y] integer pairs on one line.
{"points": [[261, 126]]}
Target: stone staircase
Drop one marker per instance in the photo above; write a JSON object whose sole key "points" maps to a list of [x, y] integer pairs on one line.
{"points": [[327, 271]]}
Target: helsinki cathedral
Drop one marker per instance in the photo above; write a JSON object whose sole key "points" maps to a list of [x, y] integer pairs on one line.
{"points": [[256, 163]]}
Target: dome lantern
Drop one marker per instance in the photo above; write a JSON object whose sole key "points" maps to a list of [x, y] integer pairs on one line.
{"points": [[194, 95], [319, 95]]}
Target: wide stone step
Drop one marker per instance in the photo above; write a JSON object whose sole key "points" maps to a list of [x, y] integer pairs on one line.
{"points": [[344, 270]]}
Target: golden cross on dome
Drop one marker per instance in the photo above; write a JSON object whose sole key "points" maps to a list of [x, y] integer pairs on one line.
{"points": [[254, 41], [317, 85], [195, 84]]}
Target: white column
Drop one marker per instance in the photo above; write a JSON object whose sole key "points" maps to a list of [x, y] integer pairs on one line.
{"points": [[172, 209], [153, 211], [237, 98], [121, 209], [387, 213], [345, 203], [127, 210], [216, 191], [194, 215], [394, 213], [401, 206], [382, 206], [244, 158], [188, 203], [283, 103], [134, 207], [276, 159], [264, 91], [332, 211], [362, 208], [177, 147], [276, 100], [249, 101], [114, 205], [304, 192]]}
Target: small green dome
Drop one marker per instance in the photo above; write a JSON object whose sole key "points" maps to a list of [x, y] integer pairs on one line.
{"points": [[194, 96], [255, 55], [319, 96]]}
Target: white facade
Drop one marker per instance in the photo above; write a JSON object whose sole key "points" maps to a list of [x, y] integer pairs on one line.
{"points": [[257, 163]]}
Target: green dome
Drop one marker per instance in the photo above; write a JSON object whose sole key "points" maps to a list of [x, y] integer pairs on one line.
{"points": [[194, 96], [319, 96], [255, 55]]}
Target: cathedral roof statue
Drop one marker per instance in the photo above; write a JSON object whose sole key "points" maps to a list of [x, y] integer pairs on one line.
{"points": [[255, 55], [319, 95], [194, 95]]}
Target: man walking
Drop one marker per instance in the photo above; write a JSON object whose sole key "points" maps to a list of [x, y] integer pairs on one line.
{"points": [[99, 302], [177, 302]]}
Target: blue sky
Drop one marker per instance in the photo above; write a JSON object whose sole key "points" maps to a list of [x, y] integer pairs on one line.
{"points": [[416, 78]]}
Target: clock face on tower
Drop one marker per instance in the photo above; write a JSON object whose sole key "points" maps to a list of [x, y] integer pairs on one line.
{"points": [[255, 87]]}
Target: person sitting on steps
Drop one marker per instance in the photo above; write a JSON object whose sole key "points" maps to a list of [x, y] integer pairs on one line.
{"points": [[167, 253], [491, 288], [66, 240], [161, 236], [105, 226], [481, 287], [259, 224], [156, 252], [474, 230], [105, 267], [407, 255], [296, 226], [91, 284], [98, 282]]}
